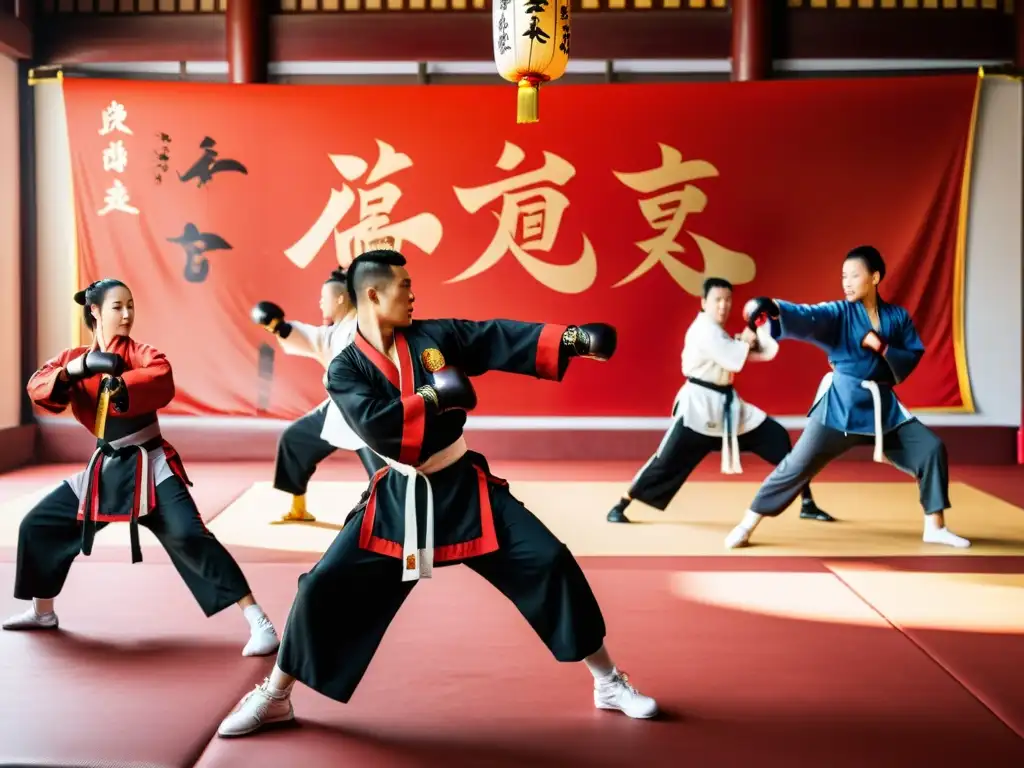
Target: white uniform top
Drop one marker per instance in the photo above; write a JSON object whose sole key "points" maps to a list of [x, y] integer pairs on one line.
{"points": [[324, 343], [711, 355]]}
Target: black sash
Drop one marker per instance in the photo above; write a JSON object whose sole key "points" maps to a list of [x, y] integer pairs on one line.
{"points": [[722, 389], [114, 491]]}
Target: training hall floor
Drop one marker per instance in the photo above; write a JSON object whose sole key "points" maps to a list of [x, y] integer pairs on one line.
{"points": [[842, 644]]}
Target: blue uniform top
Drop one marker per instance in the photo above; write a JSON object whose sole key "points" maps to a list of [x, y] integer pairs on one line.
{"points": [[838, 328]]}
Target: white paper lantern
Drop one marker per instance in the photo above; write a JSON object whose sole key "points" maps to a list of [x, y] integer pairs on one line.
{"points": [[531, 46]]}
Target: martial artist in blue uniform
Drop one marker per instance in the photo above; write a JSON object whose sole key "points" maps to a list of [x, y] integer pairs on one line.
{"points": [[872, 346]]}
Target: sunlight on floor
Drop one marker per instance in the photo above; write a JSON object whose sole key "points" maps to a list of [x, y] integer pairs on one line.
{"points": [[961, 602]]}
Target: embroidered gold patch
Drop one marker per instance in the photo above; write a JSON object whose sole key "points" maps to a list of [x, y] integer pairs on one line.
{"points": [[410, 563], [433, 360]]}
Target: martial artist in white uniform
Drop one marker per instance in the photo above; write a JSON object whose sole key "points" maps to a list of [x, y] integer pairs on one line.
{"points": [[315, 436], [708, 414]]}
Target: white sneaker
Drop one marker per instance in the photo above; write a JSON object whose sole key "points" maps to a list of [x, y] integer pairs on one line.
{"points": [[945, 536], [263, 641], [618, 694], [738, 537], [32, 620], [257, 708]]}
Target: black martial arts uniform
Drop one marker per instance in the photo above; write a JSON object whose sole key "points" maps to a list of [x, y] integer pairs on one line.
{"points": [[347, 601], [301, 449], [303, 444]]}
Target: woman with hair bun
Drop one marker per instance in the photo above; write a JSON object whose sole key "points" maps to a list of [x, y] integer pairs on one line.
{"points": [[115, 386]]}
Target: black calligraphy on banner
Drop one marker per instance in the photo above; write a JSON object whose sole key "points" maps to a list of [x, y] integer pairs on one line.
{"points": [[207, 166], [265, 372], [163, 157], [196, 245], [563, 17]]}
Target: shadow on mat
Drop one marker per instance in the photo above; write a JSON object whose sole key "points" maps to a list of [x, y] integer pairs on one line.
{"points": [[168, 651], [709, 525], [309, 524], [823, 734], [1010, 546], [939, 563], [554, 749]]}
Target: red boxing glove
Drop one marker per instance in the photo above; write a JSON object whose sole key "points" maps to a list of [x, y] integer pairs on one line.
{"points": [[759, 311], [873, 342]]}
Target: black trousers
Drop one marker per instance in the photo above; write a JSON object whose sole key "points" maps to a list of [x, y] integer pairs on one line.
{"points": [[301, 449], [346, 603], [660, 479], [50, 538], [911, 447]]}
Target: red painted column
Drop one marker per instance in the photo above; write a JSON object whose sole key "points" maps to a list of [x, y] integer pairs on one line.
{"points": [[247, 25], [23, 11], [1018, 63], [751, 40]]}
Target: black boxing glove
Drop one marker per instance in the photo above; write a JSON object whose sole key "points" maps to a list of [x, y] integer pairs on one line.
{"points": [[93, 364], [758, 311], [596, 341], [451, 390], [271, 317], [118, 393]]}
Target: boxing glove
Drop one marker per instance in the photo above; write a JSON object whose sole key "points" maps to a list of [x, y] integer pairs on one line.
{"points": [[596, 341], [758, 311], [873, 342], [451, 390], [93, 364], [271, 317], [118, 393]]}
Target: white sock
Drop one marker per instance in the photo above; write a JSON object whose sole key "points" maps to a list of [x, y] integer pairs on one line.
{"points": [[933, 534], [750, 521], [602, 673], [253, 613], [279, 693], [275, 690], [41, 614]]}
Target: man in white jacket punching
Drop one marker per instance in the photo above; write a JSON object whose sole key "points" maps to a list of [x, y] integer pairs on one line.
{"points": [[708, 414], [315, 436]]}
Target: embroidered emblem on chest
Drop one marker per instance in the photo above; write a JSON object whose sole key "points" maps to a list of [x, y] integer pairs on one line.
{"points": [[433, 360]]}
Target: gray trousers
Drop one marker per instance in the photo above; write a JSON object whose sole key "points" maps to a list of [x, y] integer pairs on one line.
{"points": [[911, 447]]}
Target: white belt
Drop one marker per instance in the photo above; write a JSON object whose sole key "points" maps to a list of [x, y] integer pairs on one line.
{"points": [[731, 438], [139, 438], [876, 401], [419, 563], [731, 416]]}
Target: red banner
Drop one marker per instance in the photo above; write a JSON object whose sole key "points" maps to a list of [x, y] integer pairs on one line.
{"points": [[207, 198]]}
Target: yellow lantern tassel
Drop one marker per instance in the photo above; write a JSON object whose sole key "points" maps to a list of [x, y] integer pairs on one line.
{"points": [[527, 107]]}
